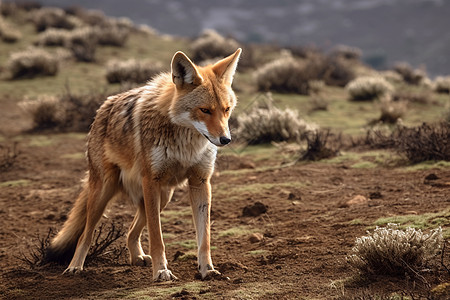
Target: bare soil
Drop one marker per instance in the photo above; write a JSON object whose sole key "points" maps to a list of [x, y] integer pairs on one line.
{"points": [[300, 251]]}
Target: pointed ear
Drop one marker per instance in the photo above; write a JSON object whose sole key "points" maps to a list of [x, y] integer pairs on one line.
{"points": [[184, 71], [225, 68]]}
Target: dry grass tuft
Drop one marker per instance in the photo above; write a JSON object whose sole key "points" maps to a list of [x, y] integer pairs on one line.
{"points": [[54, 17], [31, 63], [8, 156], [322, 144], [132, 71], [102, 250], [410, 75], [392, 251], [67, 113], [7, 32], [270, 124], [368, 88], [442, 84], [346, 52], [53, 37], [211, 44], [83, 44], [391, 111], [290, 75]]}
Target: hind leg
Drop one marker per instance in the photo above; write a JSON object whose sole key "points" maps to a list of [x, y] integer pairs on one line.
{"points": [[137, 255], [99, 195]]}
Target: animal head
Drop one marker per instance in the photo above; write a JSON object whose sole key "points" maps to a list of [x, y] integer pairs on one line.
{"points": [[204, 99]]}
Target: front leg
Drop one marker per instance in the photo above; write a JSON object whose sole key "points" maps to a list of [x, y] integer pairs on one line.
{"points": [[152, 203], [200, 196]]}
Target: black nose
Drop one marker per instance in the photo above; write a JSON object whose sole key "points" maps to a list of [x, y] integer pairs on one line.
{"points": [[224, 140]]}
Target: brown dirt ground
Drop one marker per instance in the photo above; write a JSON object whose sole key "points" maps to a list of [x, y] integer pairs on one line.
{"points": [[307, 230]]}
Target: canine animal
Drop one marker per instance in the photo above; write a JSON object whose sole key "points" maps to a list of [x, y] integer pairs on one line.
{"points": [[145, 142]]}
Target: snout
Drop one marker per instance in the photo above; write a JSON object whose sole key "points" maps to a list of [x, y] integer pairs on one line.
{"points": [[224, 140]]}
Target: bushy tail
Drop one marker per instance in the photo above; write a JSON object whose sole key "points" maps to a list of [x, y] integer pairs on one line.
{"points": [[62, 247]]}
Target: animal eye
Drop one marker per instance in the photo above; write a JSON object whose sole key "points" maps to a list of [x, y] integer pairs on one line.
{"points": [[227, 109], [205, 111]]}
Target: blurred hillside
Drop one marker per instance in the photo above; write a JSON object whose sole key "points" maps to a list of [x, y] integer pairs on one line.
{"points": [[387, 31]]}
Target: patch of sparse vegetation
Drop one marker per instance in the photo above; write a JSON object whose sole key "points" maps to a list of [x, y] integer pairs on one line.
{"points": [[31, 63], [392, 251], [132, 70], [368, 88]]}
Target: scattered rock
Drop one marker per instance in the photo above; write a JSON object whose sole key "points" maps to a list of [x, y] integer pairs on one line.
{"points": [[238, 281], [254, 210], [246, 165], [230, 266], [375, 195], [255, 238], [357, 200], [431, 176]]}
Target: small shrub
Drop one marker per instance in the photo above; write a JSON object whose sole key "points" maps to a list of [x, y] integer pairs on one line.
{"points": [[417, 144], [410, 75], [212, 45], [83, 44], [131, 71], [53, 17], [423, 143], [334, 71], [368, 88], [67, 113], [32, 62], [346, 52], [112, 35], [392, 251], [53, 37], [391, 111], [322, 144], [46, 112], [284, 75], [7, 33], [442, 84], [269, 124], [413, 97], [8, 156]]}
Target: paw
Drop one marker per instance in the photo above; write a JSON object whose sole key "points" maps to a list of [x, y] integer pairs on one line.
{"points": [[164, 275], [209, 274], [142, 261], [73, 270]]}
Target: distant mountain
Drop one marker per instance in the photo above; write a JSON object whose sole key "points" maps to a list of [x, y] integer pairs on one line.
{"points": [[416, 31]]}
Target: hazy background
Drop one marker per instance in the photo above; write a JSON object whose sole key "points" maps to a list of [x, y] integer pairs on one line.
{"points": [[388, 31]]}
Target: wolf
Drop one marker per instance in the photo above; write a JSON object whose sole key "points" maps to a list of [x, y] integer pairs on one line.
{"points": [[142, 144]]}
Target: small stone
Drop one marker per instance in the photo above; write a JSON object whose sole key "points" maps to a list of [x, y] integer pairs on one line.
{"points": [[254, 210], [431, 176], [255, 238], [357, 200]]}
